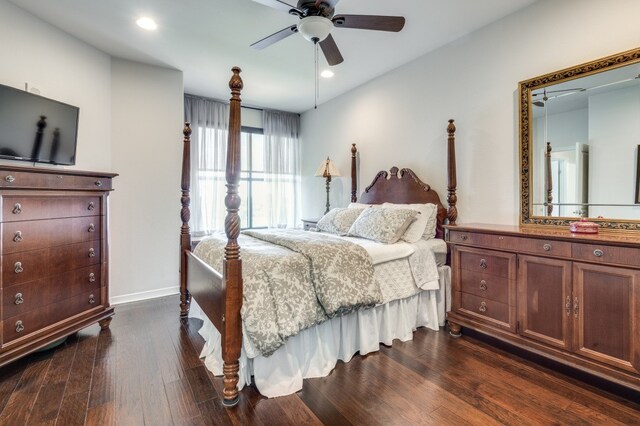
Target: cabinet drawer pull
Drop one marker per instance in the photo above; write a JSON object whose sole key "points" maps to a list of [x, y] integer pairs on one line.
{"points": [[483, 307], [546, 247], [92, 277], [17, 267], [463, 237], [18, 299], [598, 253], [17, 237], [19, 326], [483, 285], [92, 252], [483, 264], [92, 299], [92, 228], [91, 206], [567, 306], [17, 208], [9, 178], [576, 307], [98, 183]]}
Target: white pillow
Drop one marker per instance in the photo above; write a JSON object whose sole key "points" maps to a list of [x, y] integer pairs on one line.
{"points": [[360, 205], [425, 224], [382, 224], [338, 220]]}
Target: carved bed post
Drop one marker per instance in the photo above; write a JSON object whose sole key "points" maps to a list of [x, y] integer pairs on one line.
{"points": [[354, 182], [452, 198], [185, 214], [232, 264], [548, 179]]}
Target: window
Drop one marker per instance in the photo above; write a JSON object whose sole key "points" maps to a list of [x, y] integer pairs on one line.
{"points": [[254, 209]]}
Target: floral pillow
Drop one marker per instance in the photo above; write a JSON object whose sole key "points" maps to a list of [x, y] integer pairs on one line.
{"points": [[425, 224], [338, 220], [382, 224]]}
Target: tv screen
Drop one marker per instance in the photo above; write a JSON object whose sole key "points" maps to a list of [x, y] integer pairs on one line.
{"points": [[36, 129]]}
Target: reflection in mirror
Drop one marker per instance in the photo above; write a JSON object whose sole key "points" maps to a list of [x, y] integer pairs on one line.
{"points": [[584, 138]]}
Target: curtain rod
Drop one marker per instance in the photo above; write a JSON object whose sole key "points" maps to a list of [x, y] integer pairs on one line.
{"points": [[243, 106]]}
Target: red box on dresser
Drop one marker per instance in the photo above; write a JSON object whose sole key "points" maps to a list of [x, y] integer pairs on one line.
{"points": [[54, 256]]}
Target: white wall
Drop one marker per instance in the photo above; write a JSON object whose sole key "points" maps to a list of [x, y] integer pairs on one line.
{"points": [[400, 118], [62, 68], [147, 114]]}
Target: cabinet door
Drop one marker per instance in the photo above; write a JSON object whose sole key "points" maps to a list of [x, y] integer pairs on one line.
{"points": [[544, 300], [606, 311]]}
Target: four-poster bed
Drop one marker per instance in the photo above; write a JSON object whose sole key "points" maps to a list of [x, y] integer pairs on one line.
{"points": [[219, 294]]}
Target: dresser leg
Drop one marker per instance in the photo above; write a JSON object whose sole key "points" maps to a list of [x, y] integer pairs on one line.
{"points": [[104, 324], [454, 329]]}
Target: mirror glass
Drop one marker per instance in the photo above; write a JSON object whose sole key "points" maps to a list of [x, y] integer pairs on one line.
{"points": [[581, 139]]}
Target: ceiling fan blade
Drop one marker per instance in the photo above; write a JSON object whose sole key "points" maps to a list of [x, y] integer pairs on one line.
{"points": [[277, 36], [370, 22], [331, 51], [278, 4]]}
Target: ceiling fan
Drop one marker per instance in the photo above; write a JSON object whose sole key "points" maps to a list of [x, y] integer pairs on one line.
{"points": [[317, 19], [545, 98]]}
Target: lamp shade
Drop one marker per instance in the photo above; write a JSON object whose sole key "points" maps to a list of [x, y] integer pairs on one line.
{"points": [[327, 168]]}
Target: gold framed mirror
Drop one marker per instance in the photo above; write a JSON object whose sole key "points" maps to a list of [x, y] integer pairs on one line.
{"points": [[579, 142]]}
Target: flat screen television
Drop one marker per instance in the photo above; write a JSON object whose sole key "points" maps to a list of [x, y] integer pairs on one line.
{"points": [[37, 129]]}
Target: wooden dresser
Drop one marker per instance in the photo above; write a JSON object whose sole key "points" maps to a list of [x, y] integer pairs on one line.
{"points": [[54, 252], [569, 297]]}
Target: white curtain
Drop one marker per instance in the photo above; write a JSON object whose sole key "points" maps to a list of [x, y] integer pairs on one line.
{"points": [[282, 167], [209, 123]]}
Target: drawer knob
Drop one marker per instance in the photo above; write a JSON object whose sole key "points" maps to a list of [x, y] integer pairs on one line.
{"points": [[17, 267], [19, 327], [483, 285], [91, 206], [92, 299], [463, 237], [546, 247], [483, 307], [17, 237], [18, 299], [92, 277], [598, 253], [483, 264], [17, 208], [98, 183], [92, 228], [9, 178], [92, 252]]}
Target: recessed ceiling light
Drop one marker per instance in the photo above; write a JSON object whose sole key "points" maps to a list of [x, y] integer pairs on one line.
{"points": [[147, 23], [327, 73]]}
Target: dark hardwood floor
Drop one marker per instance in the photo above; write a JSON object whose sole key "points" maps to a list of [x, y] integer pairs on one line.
{"points": [[146, 370]]}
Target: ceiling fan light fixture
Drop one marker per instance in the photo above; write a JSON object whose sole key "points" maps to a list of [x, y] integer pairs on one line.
{"points": [[315, 28]]}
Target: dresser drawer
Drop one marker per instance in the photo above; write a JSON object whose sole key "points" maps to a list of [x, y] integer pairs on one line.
{"points": [[487, 286], [488, 262], [36, 234], [507, 242], [26, 207], [48, 181], [486, 308], [31, 265], [600, 253], [25, 297], [24, 324]]}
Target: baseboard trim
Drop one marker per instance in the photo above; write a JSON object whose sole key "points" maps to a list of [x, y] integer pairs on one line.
{"points": [[144, 295]]}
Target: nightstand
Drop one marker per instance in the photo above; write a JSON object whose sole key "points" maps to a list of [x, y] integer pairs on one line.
{"points": [[309, 224]]}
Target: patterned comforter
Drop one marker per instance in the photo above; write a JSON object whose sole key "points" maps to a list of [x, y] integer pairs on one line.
{"points": [[293, 280]]}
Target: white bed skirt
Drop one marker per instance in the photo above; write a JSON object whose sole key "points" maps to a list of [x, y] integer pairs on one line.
{"points": [[315, 351]]}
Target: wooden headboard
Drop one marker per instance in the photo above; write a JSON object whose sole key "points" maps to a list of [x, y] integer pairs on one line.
{"points": [[403, 187]]}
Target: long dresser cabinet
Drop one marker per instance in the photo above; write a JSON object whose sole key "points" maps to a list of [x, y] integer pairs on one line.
{"points": [[573, 298], [54, 256]]}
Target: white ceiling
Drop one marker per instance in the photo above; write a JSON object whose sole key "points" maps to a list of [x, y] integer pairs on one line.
{"points": [[205, 38]]}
